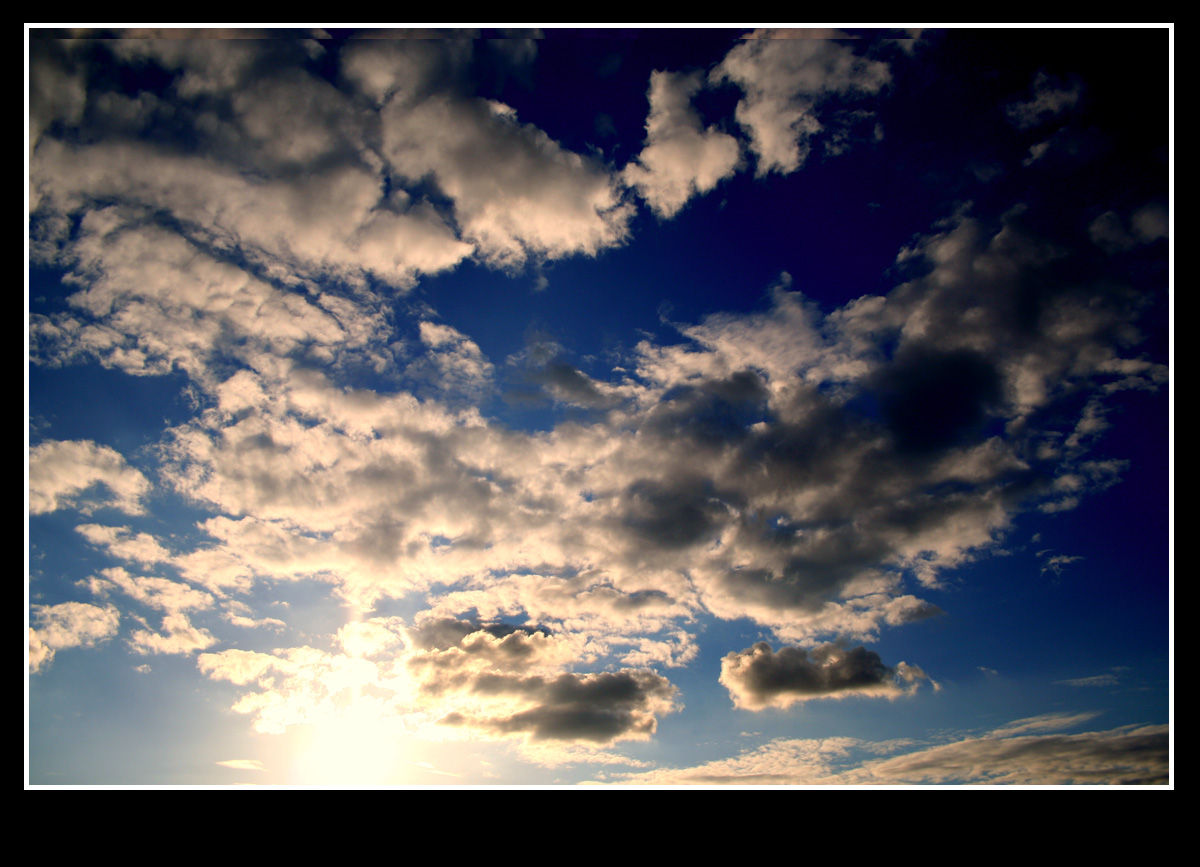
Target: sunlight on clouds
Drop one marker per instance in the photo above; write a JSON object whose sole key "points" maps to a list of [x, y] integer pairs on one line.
{"points": [[356, 747], [756, 485]]}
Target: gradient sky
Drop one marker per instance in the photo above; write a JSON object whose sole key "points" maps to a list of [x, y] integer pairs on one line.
{"points": [[626, 406]]}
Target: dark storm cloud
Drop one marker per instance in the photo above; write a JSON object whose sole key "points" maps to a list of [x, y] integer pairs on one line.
{"points": [[759, 677], [598, 708]]}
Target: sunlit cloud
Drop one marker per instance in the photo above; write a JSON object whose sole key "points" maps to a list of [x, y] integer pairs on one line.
{"points": [[365, 391]]}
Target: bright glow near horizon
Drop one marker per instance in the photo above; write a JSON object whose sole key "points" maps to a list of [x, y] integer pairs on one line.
{"points": [[554, 408]]}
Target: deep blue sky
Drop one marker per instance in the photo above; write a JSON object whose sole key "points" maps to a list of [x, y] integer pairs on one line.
{"points": [[696, 406]]}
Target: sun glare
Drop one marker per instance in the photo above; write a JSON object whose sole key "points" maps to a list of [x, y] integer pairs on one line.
{"points": [[358, 746]]}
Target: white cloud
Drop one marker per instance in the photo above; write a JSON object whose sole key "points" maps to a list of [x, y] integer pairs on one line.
{"points": [[70, 624], [785, 81], [60, 471], [178, 635], [681, 158], [516, 192]]}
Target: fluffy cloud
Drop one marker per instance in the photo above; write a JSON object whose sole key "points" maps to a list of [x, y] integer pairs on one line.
{"points": [[598, 708], [809, 469], [60, 471], [785, 82], [788, 466], [1050, 99], [516, 192], [70, 624], [759, 677], [681, 158]]}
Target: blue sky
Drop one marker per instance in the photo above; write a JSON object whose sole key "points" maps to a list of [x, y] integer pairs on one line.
{"points": [[719, 407]]}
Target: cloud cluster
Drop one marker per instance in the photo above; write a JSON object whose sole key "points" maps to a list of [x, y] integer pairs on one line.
{"points": [[250, 224], [778, 465]]}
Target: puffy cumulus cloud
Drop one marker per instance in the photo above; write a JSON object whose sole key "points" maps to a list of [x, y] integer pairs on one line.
{"points": [[123, 543], [453, 362], [1004, 294], [785, 81], [788, 465], [160, 593], [447, 678], [1146, 225], [70, 624], [370, 637], [681, 158], [598, 708], [69, 473], [1051, 97], [177, 635], [759, 677], [333, 222], [155, 301], [516, 192]]}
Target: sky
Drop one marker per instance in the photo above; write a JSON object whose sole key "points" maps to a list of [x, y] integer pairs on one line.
{"points": [[621, 407]]}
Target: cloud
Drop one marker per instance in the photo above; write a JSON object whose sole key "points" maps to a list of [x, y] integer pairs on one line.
{"points": [[1130, 755], [516, 192], [1045, 722], [1056, 563], [786, 81], [1050, 98], [60, 471], [159, 593], [1094, 680], [178, 635], [1146, 225], [70, 624], [598, 708], [792, 467], [454, 362], [243, 764], [252, 226], [681, 158], [759, 677]]}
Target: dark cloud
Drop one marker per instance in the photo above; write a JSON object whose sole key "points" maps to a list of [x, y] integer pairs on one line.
{"points": [[598, 708], [447, 632], [758, 677], [671, 515], [933, 400]]}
